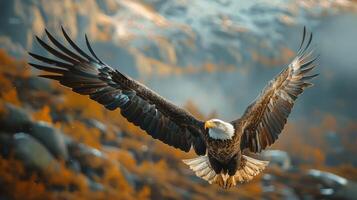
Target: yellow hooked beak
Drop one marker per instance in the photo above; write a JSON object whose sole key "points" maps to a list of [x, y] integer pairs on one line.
{"points": [[209, 124]]}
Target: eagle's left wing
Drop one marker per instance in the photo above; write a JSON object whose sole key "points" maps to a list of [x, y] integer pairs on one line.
{"points": [[265, 118]]}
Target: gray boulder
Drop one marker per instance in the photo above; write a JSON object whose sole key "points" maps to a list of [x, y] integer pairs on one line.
{"points": [[94, 186], [32, 153], [39, 84], [14, 119], [328, 178], [51, 138], [86, 156], [131, 178], [96, 124], [278, 158], [5, 144], [74, 165], [332, 186]]}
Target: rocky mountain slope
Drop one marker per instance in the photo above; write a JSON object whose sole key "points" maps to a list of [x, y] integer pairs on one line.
{"points": [[166, 43]]}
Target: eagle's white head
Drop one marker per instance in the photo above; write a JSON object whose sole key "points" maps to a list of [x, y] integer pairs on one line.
{"points": [[218, 129]]}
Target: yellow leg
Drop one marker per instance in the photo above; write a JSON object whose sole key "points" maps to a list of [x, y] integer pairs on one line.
{"points": [[230, 182], [219, 180]]}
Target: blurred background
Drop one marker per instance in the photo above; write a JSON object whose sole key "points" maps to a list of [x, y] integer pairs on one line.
{"points": [[211, 57]]}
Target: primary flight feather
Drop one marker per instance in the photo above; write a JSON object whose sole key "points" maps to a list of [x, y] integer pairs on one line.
{"points": [[219, 144]]}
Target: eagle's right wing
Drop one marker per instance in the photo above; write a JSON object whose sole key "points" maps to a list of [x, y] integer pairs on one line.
{"points": [[88, 75], [265, 118]]}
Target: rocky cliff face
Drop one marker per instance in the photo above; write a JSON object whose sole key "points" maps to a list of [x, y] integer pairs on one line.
{"points": [[243, 43]]}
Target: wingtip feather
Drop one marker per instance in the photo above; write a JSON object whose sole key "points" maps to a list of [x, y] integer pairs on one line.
{"points": [[53, 77]]}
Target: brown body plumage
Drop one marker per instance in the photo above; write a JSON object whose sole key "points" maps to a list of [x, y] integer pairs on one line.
{"points": [[219, 144]]}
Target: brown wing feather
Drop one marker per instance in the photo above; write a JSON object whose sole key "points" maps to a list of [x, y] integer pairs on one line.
{"points": [[88, 75], [265, 118]]}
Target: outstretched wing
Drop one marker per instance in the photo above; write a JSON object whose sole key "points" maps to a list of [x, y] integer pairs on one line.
{"points": [[88, 75], [265, 118]]}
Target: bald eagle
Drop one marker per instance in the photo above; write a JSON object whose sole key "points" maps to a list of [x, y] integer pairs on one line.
{"points": [[218, 144]]}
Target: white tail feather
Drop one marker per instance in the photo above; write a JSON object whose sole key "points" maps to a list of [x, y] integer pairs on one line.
{"points": [[250, 167], [201, 167]]}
